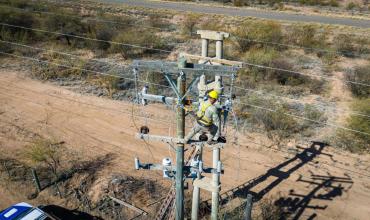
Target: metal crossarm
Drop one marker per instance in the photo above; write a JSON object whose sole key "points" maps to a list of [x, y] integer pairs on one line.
{"points": [[172, 67]]}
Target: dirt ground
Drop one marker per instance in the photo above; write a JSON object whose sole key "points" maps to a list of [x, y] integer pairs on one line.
{"points": [[322, 182]]}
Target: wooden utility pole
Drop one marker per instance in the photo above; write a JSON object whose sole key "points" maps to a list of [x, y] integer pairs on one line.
{"points": [[180, 171], [181, 86]]}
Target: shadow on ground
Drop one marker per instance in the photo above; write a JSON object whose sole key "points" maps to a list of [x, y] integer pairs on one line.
{"points": [[60, 213], [295, 204]]}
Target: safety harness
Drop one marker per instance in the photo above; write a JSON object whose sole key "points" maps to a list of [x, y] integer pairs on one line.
{"points": [[201, 115]]}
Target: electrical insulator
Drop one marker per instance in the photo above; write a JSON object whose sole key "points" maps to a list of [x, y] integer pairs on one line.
{"points": [[166, 162], [144, 130], [137, 163]]}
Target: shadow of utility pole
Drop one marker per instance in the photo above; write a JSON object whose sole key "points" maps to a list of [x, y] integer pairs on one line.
{"points": [[295, 204], [241, 191]]}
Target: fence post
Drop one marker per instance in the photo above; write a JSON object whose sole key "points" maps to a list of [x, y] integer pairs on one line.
{"points": [[36, 180], [248, 208]]}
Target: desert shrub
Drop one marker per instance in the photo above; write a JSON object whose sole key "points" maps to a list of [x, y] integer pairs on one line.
{"points": [[352, 141], [156, 20], [12, 17], [264, 56], [359, 75], [101, 32], [59, 67], [314, 115], [343, 44], [213, 25], [351, 6], [239, 3], [142, 38], [5, 35], [17, 3], [47, 152], [188, 26], [269, 210], [333, 3], [277, 123], [306, 36], [66, 25], [250, 33], [285, 77], [110, 83]]}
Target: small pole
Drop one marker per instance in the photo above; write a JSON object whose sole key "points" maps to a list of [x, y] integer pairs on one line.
{"points": [[196, 191], [181, 86], [205, 47], [248, 208], [36, 180], [215, 182]]}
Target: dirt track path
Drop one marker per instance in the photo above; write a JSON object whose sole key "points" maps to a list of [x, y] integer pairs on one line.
{"points": [[95, 126]]}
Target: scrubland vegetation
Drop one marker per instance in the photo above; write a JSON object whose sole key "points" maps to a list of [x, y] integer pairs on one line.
{"points": [[267, 43]]}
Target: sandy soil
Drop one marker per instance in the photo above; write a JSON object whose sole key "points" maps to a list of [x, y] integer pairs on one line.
{"points": [[95, 126]]}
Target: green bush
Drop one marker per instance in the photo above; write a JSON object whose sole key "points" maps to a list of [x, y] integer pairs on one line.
{"points": [[333, 3], [284, 77], [250, 33], [264, 56], [136, 37], [351, 6], [66, 25], [277, 124], [352, 141], [359, 75]]}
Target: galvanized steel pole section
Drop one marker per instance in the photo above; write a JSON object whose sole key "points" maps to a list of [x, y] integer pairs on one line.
{"points": [[215, 182], [181, 86]]}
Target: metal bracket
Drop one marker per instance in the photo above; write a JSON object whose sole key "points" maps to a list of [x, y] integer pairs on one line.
{"points": [[193, 82], [165, 139], [172, 84]]}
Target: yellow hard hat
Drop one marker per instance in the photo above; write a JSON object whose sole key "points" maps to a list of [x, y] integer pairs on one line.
{"points": [[213, 94]]}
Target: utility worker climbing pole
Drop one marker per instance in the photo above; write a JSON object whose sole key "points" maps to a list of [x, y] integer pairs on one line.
{"points": [[208, 119]]}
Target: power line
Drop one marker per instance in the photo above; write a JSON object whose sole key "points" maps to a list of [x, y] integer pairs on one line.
{"points": [[87, 38], [80, 17], [78, 57], [81, 69], [292, 46], [167, 51], [271, 110], [305, 74], [307, 119], [259, 92]]}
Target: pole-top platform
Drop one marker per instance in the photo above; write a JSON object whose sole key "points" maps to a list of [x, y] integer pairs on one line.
{"points": [[213, 35]]}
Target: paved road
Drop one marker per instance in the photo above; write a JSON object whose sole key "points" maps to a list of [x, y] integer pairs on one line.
{"points": [[244, 12]]}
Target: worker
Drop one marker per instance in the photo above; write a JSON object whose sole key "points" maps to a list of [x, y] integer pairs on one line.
{"points": [[207, 119]]}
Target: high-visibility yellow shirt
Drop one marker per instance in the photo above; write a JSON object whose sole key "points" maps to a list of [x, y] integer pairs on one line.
{"points": [[207, 114]]}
